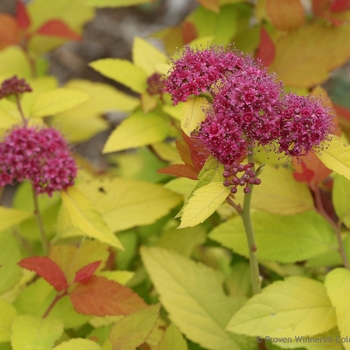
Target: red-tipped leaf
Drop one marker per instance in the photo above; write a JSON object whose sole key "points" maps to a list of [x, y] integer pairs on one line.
{"points": [[340, 6], [22, 15], [267, 50], [56, 27], [85, 273]]}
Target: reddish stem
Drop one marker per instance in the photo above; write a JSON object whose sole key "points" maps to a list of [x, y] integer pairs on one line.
{"points": [[54, 302]]}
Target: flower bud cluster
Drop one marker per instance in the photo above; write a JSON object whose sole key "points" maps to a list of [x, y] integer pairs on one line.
{"points": [[14, 86], [40, 156]]}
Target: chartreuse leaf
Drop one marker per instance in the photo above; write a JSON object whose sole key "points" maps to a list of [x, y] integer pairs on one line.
{"points": [[33, 332], [204, 201], [336, 156], [192, 294], [122, 202], [123, 72], [279, 193], [13, 61], [132, 330], [78, 344], [11, 217], [172, 339], [10, 254], [86, 218], [57, 101], [139, 129], [340, 198], [337, 284], [145, 55], [193, 114], [296, 306], [7, 315], [279, 238], [116, 3]]}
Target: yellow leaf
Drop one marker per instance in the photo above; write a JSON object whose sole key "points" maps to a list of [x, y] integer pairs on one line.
{"points": [[146, 56], [11, 217], [7, 315], [204, 201], [13, 61], [192, 294], [125, 203], [279, 193], [123, 72], [174, 111], [78, 344], [172, 339], [56, 101], [336, 156], [193, 114], [326, 45], [121, 277], [137, 130], [297, 306], [338, 286], [86, 218]]}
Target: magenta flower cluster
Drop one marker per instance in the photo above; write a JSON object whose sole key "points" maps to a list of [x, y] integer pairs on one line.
{"points": [[40, 156], [14, 86], [249, 107]]}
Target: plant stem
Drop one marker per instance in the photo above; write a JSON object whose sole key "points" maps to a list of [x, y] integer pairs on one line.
{"points": [[44, 241], [54, 302], [19, 107], [253, 254]]}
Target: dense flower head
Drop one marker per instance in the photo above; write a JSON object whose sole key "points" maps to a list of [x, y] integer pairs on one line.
{"points": [[197, 70], [14, 86], [155, 84], [304, 124], [40, 156]]}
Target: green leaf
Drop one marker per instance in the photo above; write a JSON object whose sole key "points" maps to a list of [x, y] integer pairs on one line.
{"points": [[193, 114], [192, 294], [86, 218], [78, 344], [7, 315], [172, 339], [336, 156], [279, 238], [116, 3], [56, 101], [204, 201], [139, 129], [146, 56], [296, 306], [126, 203], [123, 72], [11, 217], [337, 284], [33, 332], [340, 198], [132, 330]]}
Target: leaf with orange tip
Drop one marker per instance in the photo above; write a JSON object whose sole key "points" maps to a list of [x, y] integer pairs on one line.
{"points": [[58, 28], [319, 7], [266, 51], [305, 176], [189, 32], [85, 273], [340, 5], [22, 15], [103, 297], [47, 269], [9, 31], [285, 15], [181, 170]]}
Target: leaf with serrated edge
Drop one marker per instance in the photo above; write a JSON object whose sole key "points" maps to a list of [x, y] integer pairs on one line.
{"points": [[139, 129], [7, 315], [204, 201], [336, 156], [338, 284], [193, 114], [86, 272], [172, 339], [192, 293], [86, 218], [33, 332], [56, 101], [145, 55], [132, 330], [10, 217], [78, 344], [296, 306], [279, 238], [123, 72]]}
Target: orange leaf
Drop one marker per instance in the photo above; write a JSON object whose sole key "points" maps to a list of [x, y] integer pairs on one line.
{"points": [[22, 15], [103, 297], [305, 56], [85, 273], [189, 32], [266, 51], [285, 15], [9, 31], [47, 269], [56, 27], [181, 170], [320, 7]]}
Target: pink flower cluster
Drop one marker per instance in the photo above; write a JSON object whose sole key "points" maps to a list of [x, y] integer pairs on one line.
{"points": [[249, 107], [14, 86], [40, 156]]}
